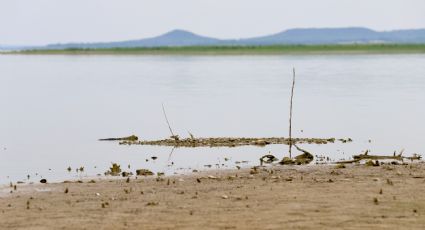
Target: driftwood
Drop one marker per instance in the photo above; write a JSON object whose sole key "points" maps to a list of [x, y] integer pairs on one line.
{"points": [[176, 137], [366, 156], [228, 141], [129, 138], [302, 159]]}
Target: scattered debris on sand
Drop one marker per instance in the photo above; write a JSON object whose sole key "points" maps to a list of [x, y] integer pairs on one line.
{"points": [[272, 197]]}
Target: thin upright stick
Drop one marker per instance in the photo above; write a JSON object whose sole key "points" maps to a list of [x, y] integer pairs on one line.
{"points": [[290, 115], [166, 119]]}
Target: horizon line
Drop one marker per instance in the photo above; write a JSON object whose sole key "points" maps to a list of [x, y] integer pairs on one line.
{"points": [[189, 31]]}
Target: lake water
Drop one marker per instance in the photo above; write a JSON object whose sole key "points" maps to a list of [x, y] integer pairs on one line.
{"points": [[54, 108]]}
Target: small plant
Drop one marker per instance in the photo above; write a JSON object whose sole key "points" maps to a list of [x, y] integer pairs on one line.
{"points": [[375, 201], [132, 138], [115, 170]]}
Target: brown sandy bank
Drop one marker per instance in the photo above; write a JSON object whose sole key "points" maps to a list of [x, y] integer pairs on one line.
{"points": [[279, 197]]}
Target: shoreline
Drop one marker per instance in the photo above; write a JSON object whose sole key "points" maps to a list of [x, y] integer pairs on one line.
{"points": [[274, 197], [339, 49]]}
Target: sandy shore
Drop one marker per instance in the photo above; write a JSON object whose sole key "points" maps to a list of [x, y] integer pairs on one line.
{"points": [[278, 197]]}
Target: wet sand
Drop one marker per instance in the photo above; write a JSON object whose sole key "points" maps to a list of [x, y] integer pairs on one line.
{"points": [[277, 197]]}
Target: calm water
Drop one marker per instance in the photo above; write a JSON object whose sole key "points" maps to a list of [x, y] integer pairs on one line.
{"points": [[54, 108]]}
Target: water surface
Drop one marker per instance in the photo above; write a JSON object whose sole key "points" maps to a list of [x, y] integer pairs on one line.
{"points": [[54, 108]]}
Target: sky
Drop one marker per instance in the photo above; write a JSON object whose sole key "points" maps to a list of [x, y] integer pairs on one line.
{"points": [[40, 22]]}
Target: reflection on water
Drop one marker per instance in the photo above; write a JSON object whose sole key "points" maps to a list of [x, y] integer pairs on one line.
{"points": [[54, 108]]}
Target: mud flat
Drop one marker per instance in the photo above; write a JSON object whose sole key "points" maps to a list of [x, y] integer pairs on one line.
{"points": [[277, 197], [230, 141]]}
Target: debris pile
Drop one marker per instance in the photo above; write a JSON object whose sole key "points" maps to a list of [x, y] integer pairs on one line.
{"points": [[227, 141]]}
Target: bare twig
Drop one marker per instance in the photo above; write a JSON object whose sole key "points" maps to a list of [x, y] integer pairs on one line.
{"points": [[290, 114], [191, 135], [302, 150], [168, 123]]}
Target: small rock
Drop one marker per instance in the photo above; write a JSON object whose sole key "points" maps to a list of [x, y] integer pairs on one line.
{"points": [[126, 174], [105, 204], [43, 181], [286, 161], [375, 201], [268, 159], [372, 163], [152, 203], [144, 172]]}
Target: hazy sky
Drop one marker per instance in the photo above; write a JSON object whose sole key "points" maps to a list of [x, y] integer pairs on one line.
{"points": [[49, 21]]}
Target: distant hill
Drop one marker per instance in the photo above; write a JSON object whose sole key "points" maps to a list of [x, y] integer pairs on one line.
{"points": [[320, 36], [172, 38], [309, 36], [7, 48]]}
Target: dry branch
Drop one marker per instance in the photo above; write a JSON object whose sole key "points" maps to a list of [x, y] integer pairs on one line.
{"points": [[176, 137], [290, 114], [366, 156]]}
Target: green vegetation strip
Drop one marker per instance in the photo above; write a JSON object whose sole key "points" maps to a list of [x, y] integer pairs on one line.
{"points": [[240, 50]]}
